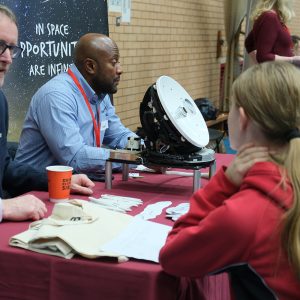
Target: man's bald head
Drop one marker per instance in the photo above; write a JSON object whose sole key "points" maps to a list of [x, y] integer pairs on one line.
{"points": [[91, 45], [96, 56]]}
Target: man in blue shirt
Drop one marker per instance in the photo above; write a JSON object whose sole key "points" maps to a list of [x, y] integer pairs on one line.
{"points": [[16, 177], [71, 120]]}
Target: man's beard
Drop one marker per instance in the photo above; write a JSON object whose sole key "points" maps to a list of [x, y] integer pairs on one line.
{"points": [[100, 87]]}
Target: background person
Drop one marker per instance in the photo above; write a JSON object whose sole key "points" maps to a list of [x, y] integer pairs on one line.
{"points": [[296, 44], [246, 220], [16, 177], [270, 38], [71, 120]]}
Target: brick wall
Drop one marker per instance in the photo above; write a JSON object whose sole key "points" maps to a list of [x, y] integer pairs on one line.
{"points": [[170, 37], [295, 24]]}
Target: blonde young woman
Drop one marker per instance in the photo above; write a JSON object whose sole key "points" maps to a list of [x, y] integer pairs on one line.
{"points": [[246, 220], [270, 38]]}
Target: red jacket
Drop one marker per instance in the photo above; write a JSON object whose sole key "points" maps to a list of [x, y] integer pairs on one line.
{"points": [[269, 37], [236, 230]]}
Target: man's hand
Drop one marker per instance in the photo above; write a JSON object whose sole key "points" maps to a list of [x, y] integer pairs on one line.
{"points": [[246, 157], [81, 184], [23, 208]]}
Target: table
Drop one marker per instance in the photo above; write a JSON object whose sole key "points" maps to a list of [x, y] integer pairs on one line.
{"points": [[28, 275]]}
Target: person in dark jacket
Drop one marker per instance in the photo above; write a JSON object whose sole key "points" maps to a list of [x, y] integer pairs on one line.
{"points": [[16, 177]]}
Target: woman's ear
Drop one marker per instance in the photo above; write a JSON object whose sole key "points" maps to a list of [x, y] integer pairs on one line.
{"points": [[243, 118]]}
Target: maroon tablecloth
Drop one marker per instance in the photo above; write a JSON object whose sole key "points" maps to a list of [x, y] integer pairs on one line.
{"points": [[29, 275]]}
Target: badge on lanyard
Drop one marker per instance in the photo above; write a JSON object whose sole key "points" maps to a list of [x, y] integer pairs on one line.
{"points": [[104, 125]]}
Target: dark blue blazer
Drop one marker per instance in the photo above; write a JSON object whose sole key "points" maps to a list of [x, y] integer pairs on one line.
{"points": [[16, 178]]}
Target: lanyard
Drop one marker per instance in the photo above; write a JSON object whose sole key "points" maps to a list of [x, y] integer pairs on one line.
{"points": [[96, 125]]}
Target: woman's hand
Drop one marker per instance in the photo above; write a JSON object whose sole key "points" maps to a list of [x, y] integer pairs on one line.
{"points": [[246, 157]]}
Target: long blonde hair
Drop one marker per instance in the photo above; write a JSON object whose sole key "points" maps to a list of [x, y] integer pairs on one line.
{"points": [[270, 95], [282, 7]]}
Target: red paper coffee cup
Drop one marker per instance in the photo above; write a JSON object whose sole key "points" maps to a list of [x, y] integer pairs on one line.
{"points": [[59, 183]]}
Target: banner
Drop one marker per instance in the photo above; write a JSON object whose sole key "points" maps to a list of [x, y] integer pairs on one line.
{"points": [[48, 32]]}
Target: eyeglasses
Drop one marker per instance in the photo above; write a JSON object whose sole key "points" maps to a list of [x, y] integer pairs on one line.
{"points": [[15, 51]]}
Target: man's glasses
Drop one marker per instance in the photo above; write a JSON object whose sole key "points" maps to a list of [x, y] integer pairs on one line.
{"points": [[15, 51]]}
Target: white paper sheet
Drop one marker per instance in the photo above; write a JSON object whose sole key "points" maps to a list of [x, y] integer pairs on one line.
{"points": [[153, 210], [176, 212], [114, 5], [140, 239]]}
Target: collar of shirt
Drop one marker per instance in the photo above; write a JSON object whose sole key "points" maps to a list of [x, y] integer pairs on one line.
{"points": [[90, 93]]}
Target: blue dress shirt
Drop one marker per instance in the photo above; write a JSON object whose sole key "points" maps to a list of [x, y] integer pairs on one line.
{"points": [[58, 127]]}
